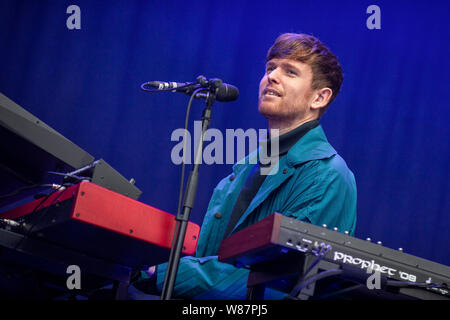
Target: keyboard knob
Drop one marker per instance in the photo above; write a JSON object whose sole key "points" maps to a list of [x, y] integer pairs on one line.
{"points": [[368, 239], [335, 229], [346, 232], [324, 225], [400, 249], [379, 242]]}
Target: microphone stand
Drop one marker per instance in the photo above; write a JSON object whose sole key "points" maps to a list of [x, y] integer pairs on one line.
{"points": [[189, 197]]}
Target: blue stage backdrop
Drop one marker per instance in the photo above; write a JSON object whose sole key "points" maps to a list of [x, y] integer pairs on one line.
{"points": [[390, 121]]}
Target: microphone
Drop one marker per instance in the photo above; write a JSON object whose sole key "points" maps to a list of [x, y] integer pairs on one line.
{"points": [[224, 92], [162, 85]]}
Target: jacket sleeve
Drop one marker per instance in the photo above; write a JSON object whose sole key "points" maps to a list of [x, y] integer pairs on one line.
{"points": [[206, 278], [209, 279]]}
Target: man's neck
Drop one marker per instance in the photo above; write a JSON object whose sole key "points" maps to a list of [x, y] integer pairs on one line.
{"points": [[277, 129]]}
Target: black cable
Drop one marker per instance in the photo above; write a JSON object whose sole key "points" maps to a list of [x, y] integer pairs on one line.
{"points": [[180, 194], [70, 175], [339, 292], [322, 275], [405, 284], [186, 121], [47, 185], [391, 283], [28, 233], [320, 254], [183, 165], [34, 186]]}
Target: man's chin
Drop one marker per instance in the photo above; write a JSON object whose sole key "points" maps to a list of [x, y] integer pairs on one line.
{"points": [[268, 110]]}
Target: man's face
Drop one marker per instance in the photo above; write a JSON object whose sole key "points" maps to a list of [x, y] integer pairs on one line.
{"points": [[285, 90]]}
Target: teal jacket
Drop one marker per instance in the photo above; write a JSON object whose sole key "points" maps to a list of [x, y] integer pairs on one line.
{"points": [[312, 184]]}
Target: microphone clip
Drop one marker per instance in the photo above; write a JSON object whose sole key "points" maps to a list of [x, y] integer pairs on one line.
{"points": [[209, 84]]}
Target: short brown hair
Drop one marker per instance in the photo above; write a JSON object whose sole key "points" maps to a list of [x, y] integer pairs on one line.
{"points": [[327, 71]]}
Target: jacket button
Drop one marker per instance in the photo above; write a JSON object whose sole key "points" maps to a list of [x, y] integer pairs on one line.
{"points": [[218, 215], [284, 171], [232, 177]]}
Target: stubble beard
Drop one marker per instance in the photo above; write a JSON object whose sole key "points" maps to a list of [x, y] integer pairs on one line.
{"points": [[280, 116]]}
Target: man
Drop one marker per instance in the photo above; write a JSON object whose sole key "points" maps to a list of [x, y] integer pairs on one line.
{"points": [[311, 183]]}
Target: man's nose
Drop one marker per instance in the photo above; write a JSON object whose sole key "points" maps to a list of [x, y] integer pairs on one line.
{"points": [[274, 76]]}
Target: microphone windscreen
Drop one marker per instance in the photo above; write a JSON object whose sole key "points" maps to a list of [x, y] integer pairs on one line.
{"points": [[227, 93]]}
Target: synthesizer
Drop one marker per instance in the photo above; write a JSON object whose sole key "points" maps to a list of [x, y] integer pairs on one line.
{"points": [[102, 223], [278, 236]]}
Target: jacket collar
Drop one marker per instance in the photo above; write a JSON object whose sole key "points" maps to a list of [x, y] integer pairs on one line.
{"points": [[312, 146]]}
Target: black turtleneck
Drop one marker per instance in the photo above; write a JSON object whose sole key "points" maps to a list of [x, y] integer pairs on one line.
{"points": [[255, 179]]}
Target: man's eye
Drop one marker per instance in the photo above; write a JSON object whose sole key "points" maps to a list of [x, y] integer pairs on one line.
{"points": [[292, 72], [270, 69]]}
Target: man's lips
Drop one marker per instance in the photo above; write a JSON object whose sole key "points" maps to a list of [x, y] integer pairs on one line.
{"points": [[271, 92]]}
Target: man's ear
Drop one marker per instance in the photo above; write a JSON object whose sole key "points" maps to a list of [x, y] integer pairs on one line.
{"points": [[321, 98]]}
